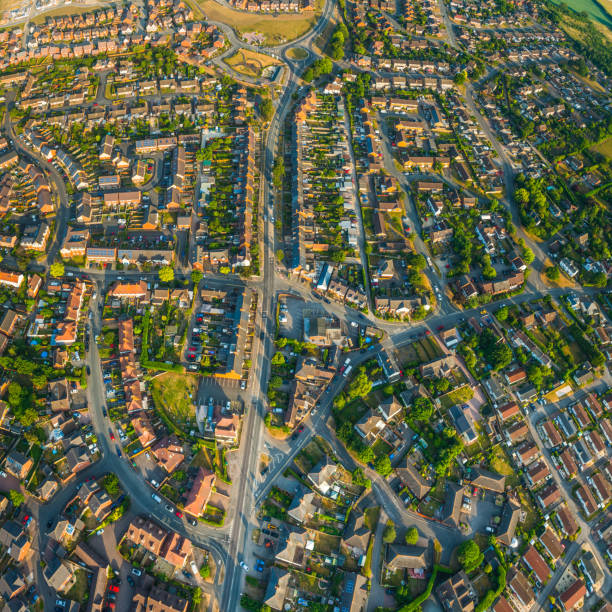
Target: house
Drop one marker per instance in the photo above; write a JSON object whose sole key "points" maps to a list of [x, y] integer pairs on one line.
{"points": [[292, 551], [509, 520], [176, 549], [587, 500], [58, 575], [457, 594], [601, 487], [508, 411], [412, 479], [567, 463], [537, 472], [549, 495], [400, 557], [8, 322], [487, 480], [18, 464], [573, 597], [517, 432], [520, 591], [356, 535], [11, 584], [516, 375], [200, 492], [438, 368], [321, 475], [551, 543], [147, 534], [355, 594], [535, 562], [463, 421], [389, 407], [100, 505], [159, 600], [169, 453], [527, 452], [451, 509], [276, 591], [567, 522], [77, 459], [369, 427], [47, 489], [303, 506]]}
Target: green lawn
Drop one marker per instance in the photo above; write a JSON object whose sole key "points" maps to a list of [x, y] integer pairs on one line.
{"points": [[170, 393], [371, 517], [604, 147], [80, 589], [501, 464]]}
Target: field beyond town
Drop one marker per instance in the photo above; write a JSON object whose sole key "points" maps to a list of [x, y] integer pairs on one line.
{"points": [[274, 29]]}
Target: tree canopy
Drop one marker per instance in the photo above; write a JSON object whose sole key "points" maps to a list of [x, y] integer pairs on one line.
{"points": [[469, 555]]}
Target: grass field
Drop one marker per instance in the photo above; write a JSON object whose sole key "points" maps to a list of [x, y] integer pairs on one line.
{"points": [[171, 392], [604, 147], [67, 10], [297, 53], [501, 464], [273, 29], [250, 63]]}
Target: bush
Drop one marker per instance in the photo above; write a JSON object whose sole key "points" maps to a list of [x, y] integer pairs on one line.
{"points": [[389, 533], [412, 536], [469, 555]]}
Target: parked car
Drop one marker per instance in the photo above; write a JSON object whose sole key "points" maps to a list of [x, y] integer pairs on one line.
{"points": [[136, 571]]}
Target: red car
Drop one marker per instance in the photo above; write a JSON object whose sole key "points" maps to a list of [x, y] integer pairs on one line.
{"points": [[440, 327], [427, 332], [25, 519], [113, 588], [179, 514], [112, 435]]}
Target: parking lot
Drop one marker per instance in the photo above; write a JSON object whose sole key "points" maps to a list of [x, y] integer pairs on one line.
{"points": [[291, 316], [150, 469]]}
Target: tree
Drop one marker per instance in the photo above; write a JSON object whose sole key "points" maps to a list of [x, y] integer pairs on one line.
{"points": [[166, 274], [365, 454], [412, 536], [266, 108], [502, 313], [278, 359], [111, 485], [205, 570], [16, 498], [422, 409], [460, 78], [494, 350], [383, 465], [361, 385], [389, 534], [469, 555], [528, 255], [56, 269], [552, 273], [535, 374], [196, 277], [280, 255]]}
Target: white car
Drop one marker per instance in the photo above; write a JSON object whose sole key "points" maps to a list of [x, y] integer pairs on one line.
{"points": [[3, 473], [244, 566]]}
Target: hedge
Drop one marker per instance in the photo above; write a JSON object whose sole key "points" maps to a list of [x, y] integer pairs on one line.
{"points": [[414, 605]]}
